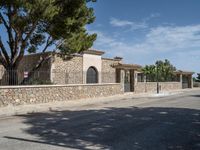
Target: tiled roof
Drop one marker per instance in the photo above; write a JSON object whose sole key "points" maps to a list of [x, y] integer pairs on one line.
{"points": [[93, 51], [127, 66], [183, 72]]}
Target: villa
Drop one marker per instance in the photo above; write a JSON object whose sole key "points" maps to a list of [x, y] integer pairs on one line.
{"points": [[90, 67]]}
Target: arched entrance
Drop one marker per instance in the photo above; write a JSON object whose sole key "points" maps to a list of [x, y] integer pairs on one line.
{"points": [[92, 75]]}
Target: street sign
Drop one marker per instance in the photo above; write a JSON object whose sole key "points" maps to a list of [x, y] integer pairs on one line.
{"points": [[25, 74]]}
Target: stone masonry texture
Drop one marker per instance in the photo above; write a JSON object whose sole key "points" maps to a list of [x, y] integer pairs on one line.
{"points": [[151, 87], [19, 95], [108, 72], [69, 71]]}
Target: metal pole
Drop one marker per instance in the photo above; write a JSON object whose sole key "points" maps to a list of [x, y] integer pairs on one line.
{"points": [[157, 79]]}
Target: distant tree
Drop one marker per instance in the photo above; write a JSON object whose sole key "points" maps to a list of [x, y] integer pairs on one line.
{"points": [[198, 78], [150, 72], [30, 24], [163, 70]]}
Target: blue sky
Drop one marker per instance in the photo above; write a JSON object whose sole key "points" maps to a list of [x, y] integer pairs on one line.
{"points": [[143, 31]]}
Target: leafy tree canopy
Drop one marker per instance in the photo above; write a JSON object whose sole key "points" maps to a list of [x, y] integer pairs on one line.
{"points": [[42, 23], [161, 70], [198, 78]]}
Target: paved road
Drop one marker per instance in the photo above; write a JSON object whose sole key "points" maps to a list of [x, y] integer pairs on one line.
{"points": [[170, 123]]}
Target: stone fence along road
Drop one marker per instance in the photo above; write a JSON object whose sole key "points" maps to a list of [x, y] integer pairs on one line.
{"points": [[162, 123], [20, 95]]}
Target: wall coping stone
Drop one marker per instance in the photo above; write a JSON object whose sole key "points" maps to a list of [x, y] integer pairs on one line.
{"points": [[158, 82], [52, 86]]}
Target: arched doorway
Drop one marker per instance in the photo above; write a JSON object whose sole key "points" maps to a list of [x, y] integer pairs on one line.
{"points": [[92, 75]]}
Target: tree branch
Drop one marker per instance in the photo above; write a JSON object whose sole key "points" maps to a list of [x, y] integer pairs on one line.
{"points": [[38, 65], [15, 49], [42, 60], [4, 21], [4, 51], [48, 43], [28, 35], [23, 46], [9, 31], [11, 38], [2, 60]]}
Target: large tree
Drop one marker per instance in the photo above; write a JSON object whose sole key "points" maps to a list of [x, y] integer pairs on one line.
{"points": [[161, 71], [33, 26], [165, 70], [150, 72]]}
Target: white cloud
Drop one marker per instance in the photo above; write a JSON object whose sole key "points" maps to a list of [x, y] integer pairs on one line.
{"points": [[155, 15], [125, 23], [131, 24], [152, 16], [172, 38], [180, 44]]}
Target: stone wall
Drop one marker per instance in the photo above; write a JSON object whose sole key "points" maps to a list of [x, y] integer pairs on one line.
{"points": [[196, 84], [151, 87], [69, 71], [19, 95], [108, 72]]}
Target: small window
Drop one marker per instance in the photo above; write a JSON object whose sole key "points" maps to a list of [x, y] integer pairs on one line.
{"points": [[92, 75]]}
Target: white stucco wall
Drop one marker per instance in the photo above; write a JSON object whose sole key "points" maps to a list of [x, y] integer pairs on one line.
{"points": [[90, 60]]}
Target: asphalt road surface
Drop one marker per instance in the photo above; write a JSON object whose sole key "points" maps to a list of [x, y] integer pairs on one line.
{"points": [[170, 123]]}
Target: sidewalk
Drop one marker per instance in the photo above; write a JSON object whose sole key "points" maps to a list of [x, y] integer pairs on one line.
{"points": [[77, 104]]}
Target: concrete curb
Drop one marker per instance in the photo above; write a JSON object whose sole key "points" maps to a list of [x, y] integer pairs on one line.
{"points": [[73, 104]]}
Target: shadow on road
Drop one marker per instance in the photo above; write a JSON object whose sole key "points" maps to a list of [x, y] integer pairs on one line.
{"points": [[195, 95], [117, 128]]}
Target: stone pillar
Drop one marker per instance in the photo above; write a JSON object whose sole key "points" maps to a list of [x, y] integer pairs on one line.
{"points": [[145, 78], [132, 80], [118, 75], [145, 83], [135, 77], [52, 73], [191, 81], [84, 77], [181, 80], [122, 78]]}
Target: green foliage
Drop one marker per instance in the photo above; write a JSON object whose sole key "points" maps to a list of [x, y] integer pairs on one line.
{"points": [[32, 49], [41, 23], [77, 43], [161, 71], [198, 78], [150, 72]]}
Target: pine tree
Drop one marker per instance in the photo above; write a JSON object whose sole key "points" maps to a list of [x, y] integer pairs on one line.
{"points": [[42, 23]]}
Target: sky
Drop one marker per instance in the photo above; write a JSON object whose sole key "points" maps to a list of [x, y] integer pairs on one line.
{"points": [[143, 31]]}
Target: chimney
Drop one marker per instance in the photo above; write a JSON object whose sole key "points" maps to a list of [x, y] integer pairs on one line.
{"points": [[118, 58]]}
